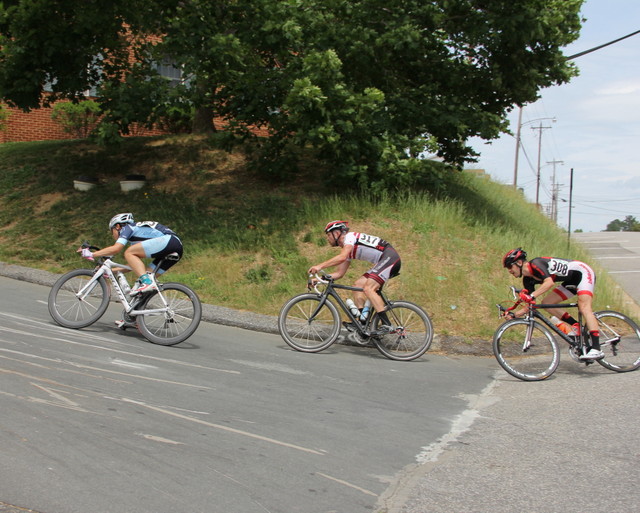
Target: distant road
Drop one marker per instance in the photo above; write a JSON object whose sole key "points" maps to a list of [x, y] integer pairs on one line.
{"points": [[619, 253]]}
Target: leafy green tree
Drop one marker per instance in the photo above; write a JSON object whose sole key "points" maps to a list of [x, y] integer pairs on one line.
{"points": [[369, 85], [629, 224]]}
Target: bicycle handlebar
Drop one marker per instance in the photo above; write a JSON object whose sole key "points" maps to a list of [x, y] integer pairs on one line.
{"points": [[320, 277]]}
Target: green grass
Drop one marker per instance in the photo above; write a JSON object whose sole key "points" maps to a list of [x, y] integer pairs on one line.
{"points": [[248, 241]]}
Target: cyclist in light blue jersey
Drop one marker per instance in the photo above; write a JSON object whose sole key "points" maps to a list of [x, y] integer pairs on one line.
{"points": [[147, 239]]}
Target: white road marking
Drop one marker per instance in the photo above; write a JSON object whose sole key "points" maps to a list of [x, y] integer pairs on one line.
{"points": [[367, 492], [218, 426]]}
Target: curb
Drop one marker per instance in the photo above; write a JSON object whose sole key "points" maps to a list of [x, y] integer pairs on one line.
{"points": [[254, 321]]}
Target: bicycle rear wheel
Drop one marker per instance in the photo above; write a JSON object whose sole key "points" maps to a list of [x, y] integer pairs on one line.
{"points": [[70, 311], [619, 340], [306, 326], [526, 350], [413, 335], [175, 325]]}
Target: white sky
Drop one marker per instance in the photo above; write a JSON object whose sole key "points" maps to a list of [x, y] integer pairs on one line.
{"points": [[596, 132]]}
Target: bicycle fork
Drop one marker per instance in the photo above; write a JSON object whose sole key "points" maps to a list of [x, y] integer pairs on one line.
{"points": [[527, 338]]}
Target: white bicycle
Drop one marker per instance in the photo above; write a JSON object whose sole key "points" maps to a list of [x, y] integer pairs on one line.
{"points": [[166, 316]]}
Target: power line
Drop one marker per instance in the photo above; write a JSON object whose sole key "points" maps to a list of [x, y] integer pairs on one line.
{"points": [[580, 54]]}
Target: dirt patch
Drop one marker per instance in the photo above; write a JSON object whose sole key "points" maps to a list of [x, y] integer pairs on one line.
{"points": [[46, 201]]}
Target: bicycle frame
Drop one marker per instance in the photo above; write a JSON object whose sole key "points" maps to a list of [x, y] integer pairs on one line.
{"points": [[330, 291], [105, 269], [533, 314]]}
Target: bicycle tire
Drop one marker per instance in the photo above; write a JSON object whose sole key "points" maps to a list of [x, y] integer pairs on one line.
{"points": [[413, 336], [534, 363], [176, 325], [619, 340], [306, 334], [67, 309]]}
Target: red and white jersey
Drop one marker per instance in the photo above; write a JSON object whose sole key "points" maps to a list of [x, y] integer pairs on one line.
{"points": [[365, 247]]}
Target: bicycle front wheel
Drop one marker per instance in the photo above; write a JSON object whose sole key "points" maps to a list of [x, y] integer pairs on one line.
{"points": [[619, 340], [70, 310], [306, 326], [413, 332], [526, 350], [179, 320]]}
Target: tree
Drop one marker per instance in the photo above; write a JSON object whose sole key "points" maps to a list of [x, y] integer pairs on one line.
{"points": [[367, 84], [629, 224]]}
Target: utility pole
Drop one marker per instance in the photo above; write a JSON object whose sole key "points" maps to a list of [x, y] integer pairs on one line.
{"points": [[540, 128], [515, 166], [554, 191], [570, 201]]}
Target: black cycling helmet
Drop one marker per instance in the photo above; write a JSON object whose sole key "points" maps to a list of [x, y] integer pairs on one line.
{"points": [[513, 256], [343, 226]]}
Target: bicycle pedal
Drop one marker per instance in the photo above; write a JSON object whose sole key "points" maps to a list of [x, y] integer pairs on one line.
{"points": [[349, 326]]}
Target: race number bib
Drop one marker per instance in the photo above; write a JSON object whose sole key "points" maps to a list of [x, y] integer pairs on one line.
{"points": [[558, 267], [369, 240]]}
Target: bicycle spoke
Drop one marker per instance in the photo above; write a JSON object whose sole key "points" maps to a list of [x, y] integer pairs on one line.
{"points": [[529, 353], [619, 340], [304, 327]]}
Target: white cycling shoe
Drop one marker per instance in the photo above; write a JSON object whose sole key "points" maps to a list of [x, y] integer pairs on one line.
{"points": [[593, 354]]}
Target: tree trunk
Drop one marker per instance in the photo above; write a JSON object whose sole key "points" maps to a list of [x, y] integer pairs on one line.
{"points": [[203, 121]]}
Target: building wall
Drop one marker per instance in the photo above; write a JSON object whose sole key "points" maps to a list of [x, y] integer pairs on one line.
{"points": [[37, 125]]}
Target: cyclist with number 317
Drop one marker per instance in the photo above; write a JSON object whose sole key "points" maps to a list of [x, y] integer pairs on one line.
{"points": [[360, 246], [573, 277]]}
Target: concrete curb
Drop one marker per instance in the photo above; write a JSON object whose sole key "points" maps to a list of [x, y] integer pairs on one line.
{"points": [[210, 313], [254, 321]]}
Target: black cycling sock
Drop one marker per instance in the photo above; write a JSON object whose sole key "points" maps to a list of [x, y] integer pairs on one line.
{"points": [[383, 317], [595, 339], [568, 319]]}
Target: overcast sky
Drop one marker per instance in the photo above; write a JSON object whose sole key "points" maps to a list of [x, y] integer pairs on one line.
{"points": [[596, 132]]}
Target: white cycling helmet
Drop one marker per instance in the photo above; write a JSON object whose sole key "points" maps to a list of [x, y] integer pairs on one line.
{"points": [[121, 219]]}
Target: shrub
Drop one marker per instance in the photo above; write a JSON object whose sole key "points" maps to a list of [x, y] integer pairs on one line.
{"points": [[4, 115], [77, 118]]}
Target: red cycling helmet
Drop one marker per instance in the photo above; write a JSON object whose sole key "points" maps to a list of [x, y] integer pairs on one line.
{"points": [[337, 225], [513, 256]]}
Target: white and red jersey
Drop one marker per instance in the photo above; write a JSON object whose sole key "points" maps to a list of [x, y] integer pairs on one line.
{"points": [[365, 247]]}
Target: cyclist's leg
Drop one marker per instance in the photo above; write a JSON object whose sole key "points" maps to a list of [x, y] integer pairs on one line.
{"points": [[557, 295], [377, 276], [134, 255], [585, 288], [159, 264]]}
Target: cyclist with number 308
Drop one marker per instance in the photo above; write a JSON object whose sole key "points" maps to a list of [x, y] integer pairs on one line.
{"points": [[573, 277], [360, 246]]}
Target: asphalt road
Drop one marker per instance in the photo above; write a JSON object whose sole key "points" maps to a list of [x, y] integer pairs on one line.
{"points": [[569, 444], [100, 421], [232, 421]]}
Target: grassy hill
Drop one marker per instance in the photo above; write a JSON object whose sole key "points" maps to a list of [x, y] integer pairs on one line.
{"points": [[248, 240]]}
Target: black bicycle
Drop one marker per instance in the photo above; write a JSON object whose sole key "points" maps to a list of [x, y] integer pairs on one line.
{"points": [[527, 349], [311, 322]]}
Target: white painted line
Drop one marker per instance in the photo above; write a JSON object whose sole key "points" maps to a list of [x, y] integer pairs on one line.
{"points": [[132, 365], [617, 257], [90, 336], [460, 424], [367, 492], [219, 426]]}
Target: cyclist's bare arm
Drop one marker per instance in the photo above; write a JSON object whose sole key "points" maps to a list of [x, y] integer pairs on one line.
{"points": [[341, 260]]}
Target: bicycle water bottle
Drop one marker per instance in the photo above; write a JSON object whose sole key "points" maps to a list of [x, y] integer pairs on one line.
{"points": [[352, 308], [365, 311], [562, 326], [124, 284]]}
